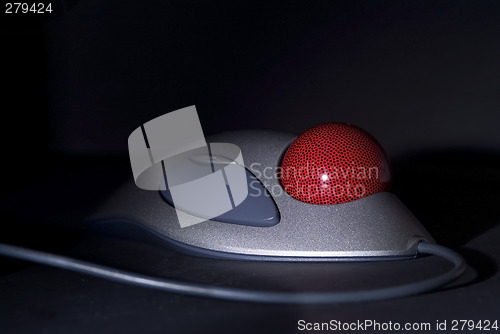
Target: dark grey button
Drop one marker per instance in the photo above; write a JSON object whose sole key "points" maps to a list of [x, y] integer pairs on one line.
{"points": [[258, 208]]}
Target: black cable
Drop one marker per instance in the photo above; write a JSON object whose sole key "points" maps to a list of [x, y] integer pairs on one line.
{"points": [[204, 290]]}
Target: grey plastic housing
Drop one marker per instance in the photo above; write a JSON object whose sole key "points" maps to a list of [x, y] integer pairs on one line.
{"points": [[376, 227]]}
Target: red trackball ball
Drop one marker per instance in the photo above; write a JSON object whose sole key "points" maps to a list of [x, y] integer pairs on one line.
{"points": [[335, 163]]}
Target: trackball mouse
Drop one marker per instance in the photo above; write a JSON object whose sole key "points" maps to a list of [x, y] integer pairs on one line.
{"points": [[321, 196]]}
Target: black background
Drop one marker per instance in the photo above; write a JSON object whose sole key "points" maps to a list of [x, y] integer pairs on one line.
{"points": [[422, 76]]}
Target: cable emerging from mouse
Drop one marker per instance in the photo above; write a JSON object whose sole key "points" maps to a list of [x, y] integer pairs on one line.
{"points": [[234, 294]]}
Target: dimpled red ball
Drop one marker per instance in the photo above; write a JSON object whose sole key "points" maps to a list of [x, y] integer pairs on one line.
{"points": [[334, 163]]}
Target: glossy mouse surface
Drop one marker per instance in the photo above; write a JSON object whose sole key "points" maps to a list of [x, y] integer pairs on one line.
{"points": [[375, 227]]}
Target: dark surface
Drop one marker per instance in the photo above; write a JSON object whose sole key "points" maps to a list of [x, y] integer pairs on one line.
{"points": [[421, 76]]}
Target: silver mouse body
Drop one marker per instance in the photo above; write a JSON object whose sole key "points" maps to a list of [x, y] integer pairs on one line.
{"points": [[377, 227]]}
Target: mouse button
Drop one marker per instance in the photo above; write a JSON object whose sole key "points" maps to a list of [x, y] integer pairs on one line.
{"points": [[257, 209]]}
